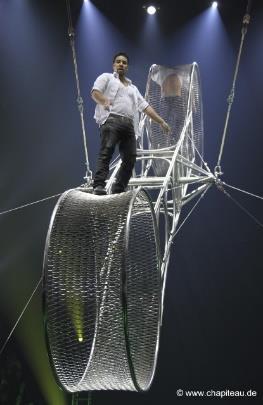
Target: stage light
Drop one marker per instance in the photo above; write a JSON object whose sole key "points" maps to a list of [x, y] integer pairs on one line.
{"points": [[214, 4], [151, 10]]}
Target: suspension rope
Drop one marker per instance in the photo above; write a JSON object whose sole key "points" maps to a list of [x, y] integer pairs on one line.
{"points": [[29, 204], [20, 316], [189, 137], [199, 154], [242, 191], [230, 99], [220, 187], [191, 211], [80, 104]]}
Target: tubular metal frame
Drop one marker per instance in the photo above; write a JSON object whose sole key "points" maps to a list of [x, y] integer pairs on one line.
{"points": [[182, 171], [173, 176]]}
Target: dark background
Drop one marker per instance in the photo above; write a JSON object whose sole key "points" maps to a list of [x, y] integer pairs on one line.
{"points": [[212, 331]]}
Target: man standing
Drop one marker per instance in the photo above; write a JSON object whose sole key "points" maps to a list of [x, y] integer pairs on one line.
{"points": [[118, 102]]}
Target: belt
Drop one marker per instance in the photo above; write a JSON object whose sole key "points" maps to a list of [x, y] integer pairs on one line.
{"points": [[121, 118]]}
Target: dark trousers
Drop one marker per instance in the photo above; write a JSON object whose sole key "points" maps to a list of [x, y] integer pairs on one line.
{"points": [[116, 130]]}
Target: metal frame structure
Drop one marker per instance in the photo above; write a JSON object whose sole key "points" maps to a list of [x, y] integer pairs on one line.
{"points": [[185, 167], [103, 268], [169, 192]]}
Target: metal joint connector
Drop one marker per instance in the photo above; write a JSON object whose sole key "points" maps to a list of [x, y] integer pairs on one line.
{"points": [[71, 32], [217, 172], [246, 19]]}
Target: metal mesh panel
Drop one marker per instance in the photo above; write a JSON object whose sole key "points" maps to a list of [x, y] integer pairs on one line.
{"points": [[174, 92], [102, 291], [143, 296], [196, 107]]}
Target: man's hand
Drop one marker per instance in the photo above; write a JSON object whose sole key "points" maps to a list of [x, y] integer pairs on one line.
{"points": [[156, 117], [107, 104], [166, 127], [99, 98]]}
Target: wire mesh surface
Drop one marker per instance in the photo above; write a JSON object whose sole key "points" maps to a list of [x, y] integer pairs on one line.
{"points": [[102, 291], [174, 93]]}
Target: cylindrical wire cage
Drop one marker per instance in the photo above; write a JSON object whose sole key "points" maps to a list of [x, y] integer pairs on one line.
{"points": [[102, 291], [175, 92]]}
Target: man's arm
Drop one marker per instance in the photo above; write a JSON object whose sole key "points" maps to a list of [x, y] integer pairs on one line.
{"points": [[156, 117], [99, 98], [99, 88]]}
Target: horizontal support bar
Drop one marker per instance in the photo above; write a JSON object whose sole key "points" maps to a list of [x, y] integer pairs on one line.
{"points": [[158, 181], [196, 179], [170, 150], [146, 181]]}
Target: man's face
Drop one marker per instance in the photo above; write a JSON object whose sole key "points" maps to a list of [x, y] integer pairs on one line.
{"points": [[120, 65]]}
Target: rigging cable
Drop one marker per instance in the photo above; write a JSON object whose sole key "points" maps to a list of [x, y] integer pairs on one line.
{"points": [[220, 187], [230, 99], [21, 314], [243, 191], [199, 154], [191, 211], [29, 204], [71, 34]]}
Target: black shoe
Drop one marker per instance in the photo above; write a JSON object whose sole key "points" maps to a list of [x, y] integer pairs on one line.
{"points": [[99, 190]]}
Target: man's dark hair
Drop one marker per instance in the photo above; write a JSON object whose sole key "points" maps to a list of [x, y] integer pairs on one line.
{"points": [[121, 54]]}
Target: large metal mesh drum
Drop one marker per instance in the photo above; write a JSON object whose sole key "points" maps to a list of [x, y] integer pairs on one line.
{"points": [[102, 291], [175, 93]]}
